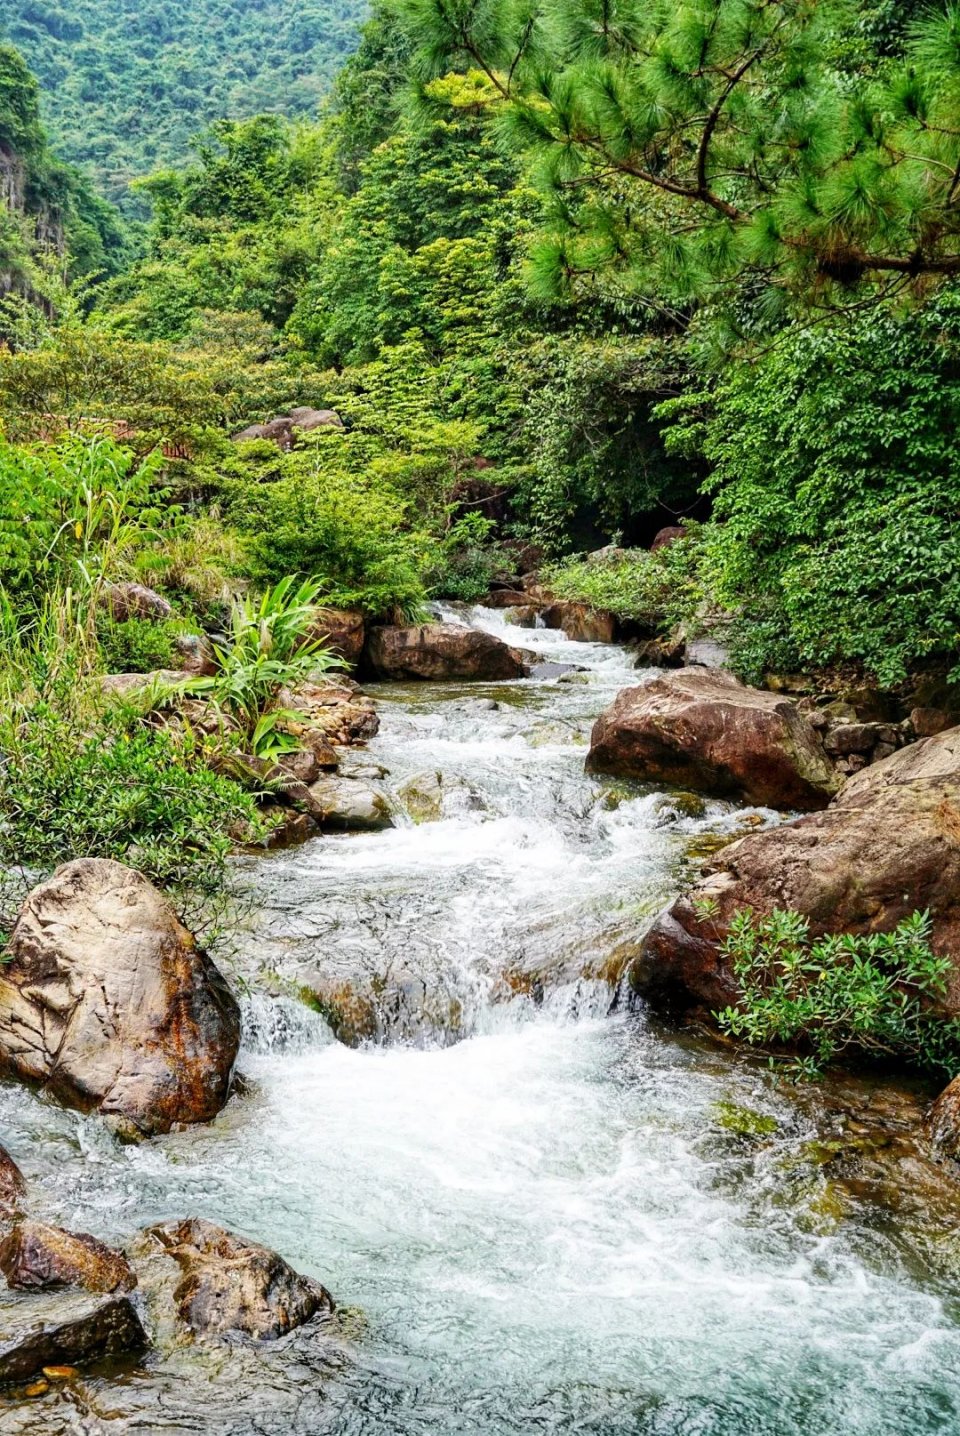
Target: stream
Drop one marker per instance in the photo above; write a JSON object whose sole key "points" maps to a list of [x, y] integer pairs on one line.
{"points": [[543, 1214]]}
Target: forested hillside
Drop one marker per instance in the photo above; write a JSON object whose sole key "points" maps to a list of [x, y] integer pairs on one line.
{"points": [[126, 85]]}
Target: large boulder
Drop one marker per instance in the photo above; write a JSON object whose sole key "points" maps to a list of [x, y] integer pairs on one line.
{"points": [[442, 651], [35, 1254], [888, 846], [344, 632], [108, 1004], [580, 622], [65, 1330], [229, 1284], [702, 729], [132, 600]]}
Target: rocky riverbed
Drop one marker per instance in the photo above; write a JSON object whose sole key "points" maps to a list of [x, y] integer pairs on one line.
{"points": [[534, 1210]]}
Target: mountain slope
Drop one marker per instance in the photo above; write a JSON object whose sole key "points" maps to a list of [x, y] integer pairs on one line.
{"points": [[126, 83]]}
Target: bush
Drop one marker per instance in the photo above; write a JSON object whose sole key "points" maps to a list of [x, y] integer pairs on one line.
{"points": [[467, 560], [137, 645], [116, 790], [874, 995], [837, 481], [320, 518], [655, 589]]}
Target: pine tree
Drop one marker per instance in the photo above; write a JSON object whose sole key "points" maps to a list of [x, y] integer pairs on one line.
{"points": [[688, 143]]}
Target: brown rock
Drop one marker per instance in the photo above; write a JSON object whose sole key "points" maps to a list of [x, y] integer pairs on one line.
{"points": [[887, 847], [344, 631], [66, 1329], [108, 1004], [441, 651], [666, 536], [850, 738], [701, 729], [928, 722], [13, 1188], [348, 804], [37, 1255], [580, 623], [334, 711], [132, 600], [507, 598], [943, 1122], [230, 1284]]}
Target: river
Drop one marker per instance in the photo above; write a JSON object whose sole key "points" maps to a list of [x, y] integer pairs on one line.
{"points": [[544, 1214]]}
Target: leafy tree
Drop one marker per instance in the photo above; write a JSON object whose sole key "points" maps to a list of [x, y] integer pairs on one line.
{"points": [[835, 469]]}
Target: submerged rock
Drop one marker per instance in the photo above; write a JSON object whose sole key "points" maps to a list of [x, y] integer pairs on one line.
{"points": [[229, 1284], [438, 652], [108, 1004], [427, 797], [888, 846], [37, 1255], [702, 729], [68, 1329]]}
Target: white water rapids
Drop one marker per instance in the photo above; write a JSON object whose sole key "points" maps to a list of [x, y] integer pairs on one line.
{"points": [[544, 1224]]}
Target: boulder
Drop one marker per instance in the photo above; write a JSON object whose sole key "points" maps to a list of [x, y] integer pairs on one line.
{"points": [[334, 711], [440, 652], [229, 1284], [349, 804], [928, 722], [580, 623], [507, 598], [34, 1254], [429, 796], [666, 536], [132, 600], [108, 1004], [196, 651], [943, 1122], [68, 1329], [308, 419], [701, 729], [888, 846], [344, 631], [13, 1188]]}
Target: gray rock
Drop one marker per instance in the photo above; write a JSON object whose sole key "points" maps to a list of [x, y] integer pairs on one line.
{"points": [[66, 1329]]}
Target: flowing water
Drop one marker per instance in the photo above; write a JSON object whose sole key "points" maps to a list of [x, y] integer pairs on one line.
{"points": [[548, 1224]]}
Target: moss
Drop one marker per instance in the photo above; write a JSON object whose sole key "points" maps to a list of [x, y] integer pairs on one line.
{"points": [[743, 1121]]}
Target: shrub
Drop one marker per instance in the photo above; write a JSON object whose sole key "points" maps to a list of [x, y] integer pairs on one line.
{"points": [[657, 589], [874, 994], [466, 561], [137, 645], [116, 790], [269, 647], [837, 489], [319, 518]]}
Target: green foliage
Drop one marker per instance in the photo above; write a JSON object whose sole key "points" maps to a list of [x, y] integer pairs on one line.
{"points": [[125, 92], [323, 515], [835, 472], [467, 560], [52, 223], [71, 514], [137, 645], [874, 995], [269, 646], [684, 144], [655, 590], [121, 791]]}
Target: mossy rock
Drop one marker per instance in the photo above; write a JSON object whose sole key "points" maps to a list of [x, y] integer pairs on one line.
{"points": [[743, 1121]]}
